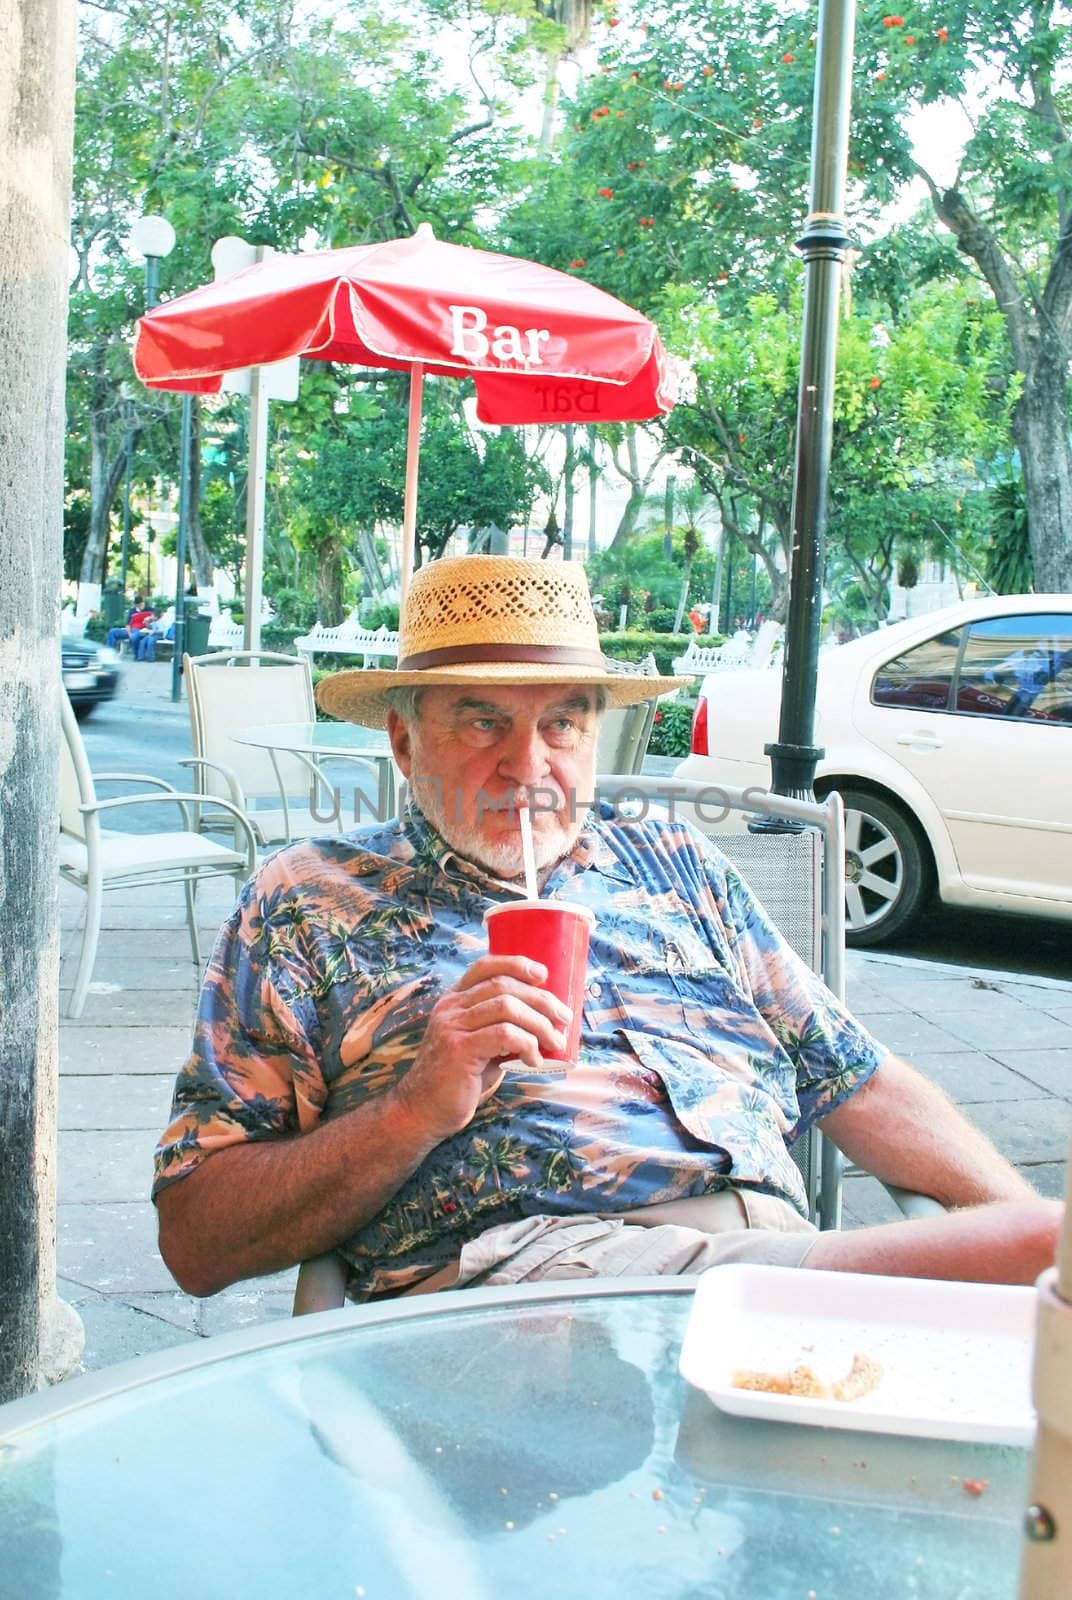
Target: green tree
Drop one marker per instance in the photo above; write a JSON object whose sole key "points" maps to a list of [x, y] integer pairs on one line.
{"points": [[266, 125], [1007, 209], [920, 402], [1008, 564]]}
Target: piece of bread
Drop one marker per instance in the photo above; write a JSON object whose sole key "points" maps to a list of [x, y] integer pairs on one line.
{"points": [[862, 1379]]}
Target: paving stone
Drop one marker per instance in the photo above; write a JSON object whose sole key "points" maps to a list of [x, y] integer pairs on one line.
{"points": [[1009, 1026], [928, 999], [246, 1305], [75, 1294], [108, 1007], [892, 975], [1051, 1070], [111, 1248], [908, 1035], [939, 999], [138, 915], [174, 1306], [167, 944], [147, 971], [969, 1076], [98, 1168], [1048, 1177], [863, 999], [132, 1051], [1045, 993], [865, 1202], [117, 1331], [109, 1103], [1031, 1131]]}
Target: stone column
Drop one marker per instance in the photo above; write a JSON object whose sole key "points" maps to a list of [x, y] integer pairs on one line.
{"points": [[37, 1336]]}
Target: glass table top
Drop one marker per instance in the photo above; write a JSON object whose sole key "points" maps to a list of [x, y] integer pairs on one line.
{"points": [[523, 1445], [316, 738]]}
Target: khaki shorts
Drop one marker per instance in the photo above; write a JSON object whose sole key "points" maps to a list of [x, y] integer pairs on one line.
{"points": [[683, 1237]]}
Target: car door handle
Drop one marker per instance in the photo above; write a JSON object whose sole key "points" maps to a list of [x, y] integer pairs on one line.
{"points": [[920, 741]]}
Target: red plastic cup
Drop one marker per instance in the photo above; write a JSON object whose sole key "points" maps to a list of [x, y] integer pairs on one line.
{"points": [[556, 934]]}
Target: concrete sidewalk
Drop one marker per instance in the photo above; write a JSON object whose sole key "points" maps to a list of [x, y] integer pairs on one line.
{"points": [[1001, 1045]]}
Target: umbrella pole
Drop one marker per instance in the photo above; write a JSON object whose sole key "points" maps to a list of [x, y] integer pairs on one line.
{"points": [[255, 498], [822, 245], [413, 458], [1046, 1569]]}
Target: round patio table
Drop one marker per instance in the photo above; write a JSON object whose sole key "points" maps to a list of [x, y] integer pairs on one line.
{"points": [[534, 1442]]}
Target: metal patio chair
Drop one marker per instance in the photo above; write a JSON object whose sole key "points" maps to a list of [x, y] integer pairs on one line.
{"points": [[96, 859], [236, 689], [625, 732]]}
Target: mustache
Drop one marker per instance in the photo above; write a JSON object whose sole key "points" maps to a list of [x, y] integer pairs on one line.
{"points": [[540, 799]]}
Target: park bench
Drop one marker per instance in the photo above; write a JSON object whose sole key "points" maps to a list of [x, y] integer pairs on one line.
{"points": [[742, 650], [226, 634], [349, 638]]}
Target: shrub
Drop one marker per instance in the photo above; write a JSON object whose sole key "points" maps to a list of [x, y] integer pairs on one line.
{"points": [[381, 614], [660, 619], [95, 627], [672, 729], [279, 636], [666, 646], [293, 607]]}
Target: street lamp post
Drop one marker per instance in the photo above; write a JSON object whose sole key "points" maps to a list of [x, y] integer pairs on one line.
{"points": [[154, 238]]}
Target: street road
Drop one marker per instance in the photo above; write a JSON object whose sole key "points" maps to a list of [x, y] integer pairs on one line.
{"points": [[137, 734]]}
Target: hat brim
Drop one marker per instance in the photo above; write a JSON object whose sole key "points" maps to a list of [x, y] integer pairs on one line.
{"points": [[360, 695]]}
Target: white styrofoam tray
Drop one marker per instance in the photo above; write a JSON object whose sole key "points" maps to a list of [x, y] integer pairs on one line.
{"points": [[956, 1357]]}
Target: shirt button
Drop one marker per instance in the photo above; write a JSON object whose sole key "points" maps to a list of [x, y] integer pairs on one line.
{"points": [[594, 991]]}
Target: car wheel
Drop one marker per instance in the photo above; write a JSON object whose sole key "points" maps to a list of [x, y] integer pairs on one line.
{"points": [[84, 710], [887, 873]]}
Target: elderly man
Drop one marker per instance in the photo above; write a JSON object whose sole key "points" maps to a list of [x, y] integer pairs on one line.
{"points": [[344, 1092]]}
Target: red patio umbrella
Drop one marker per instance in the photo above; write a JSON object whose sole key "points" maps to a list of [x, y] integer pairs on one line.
{"points": [[541, 346]]}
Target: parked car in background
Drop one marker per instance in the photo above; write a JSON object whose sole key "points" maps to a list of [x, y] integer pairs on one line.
{"points": [[90, 674], [949, 738]]}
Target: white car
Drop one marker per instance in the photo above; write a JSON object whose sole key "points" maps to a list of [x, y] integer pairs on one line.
{"points": [[949, 738]]}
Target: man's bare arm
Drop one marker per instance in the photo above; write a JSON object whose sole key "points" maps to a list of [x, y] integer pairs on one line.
{"points": [[261, 1207], [908, 1132], [258, 1208]]}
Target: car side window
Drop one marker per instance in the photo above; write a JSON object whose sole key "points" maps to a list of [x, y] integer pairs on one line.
{"points": [[1018, 666], [921, 679]]}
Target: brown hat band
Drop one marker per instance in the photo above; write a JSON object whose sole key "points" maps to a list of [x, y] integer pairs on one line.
{"points": [[550, 654]]}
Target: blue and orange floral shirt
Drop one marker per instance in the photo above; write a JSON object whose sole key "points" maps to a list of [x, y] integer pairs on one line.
{"points": [[707, 1045]]}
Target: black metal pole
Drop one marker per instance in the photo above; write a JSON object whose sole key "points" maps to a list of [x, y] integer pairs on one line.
{"points": [[128, 447], [822, 244]]}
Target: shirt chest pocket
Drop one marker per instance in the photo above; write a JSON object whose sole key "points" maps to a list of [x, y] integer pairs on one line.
{"points": [[676, 989]]}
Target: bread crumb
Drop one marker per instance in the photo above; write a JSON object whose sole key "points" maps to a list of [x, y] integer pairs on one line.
{"points": [[862, 1379]]}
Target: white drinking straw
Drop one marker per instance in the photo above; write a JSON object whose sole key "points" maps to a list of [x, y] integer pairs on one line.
{"points": [[528, 850]]}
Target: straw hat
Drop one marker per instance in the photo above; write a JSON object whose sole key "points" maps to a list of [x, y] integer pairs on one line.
{"points": [[486, 620]]}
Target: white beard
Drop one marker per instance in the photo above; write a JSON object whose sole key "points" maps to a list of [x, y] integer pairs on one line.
{"points": [[553, 837]]}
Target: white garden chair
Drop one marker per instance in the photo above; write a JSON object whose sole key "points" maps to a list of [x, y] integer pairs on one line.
{"points": [[625, 732], [229, 691], [96, 859]]}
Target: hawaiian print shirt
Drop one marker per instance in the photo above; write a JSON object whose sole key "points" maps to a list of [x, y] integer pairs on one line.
{"points": [[707, 1046]]}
